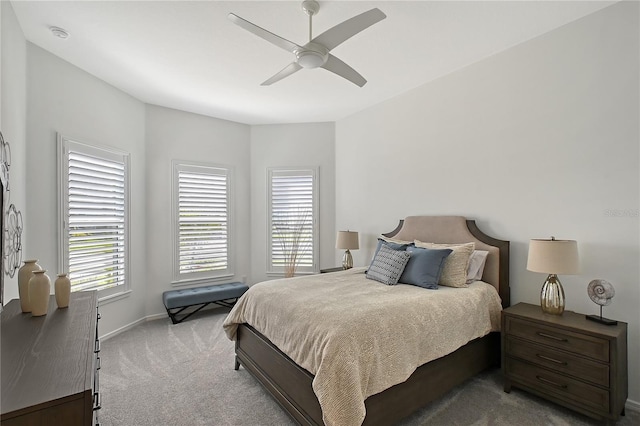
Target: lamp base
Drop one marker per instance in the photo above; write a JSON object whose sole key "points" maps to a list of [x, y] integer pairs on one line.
{"points": [[601, 320], [347, 260], [552, 296]]}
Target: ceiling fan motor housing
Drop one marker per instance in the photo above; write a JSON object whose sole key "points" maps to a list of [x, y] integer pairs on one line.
{"points": [[312, 55]]}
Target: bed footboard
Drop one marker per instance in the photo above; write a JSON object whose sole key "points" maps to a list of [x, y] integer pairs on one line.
{"points": [[287, 382], [432, 380]]}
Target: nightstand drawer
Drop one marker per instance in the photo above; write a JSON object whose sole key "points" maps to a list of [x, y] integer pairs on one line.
{"points": [[582, 344], [558, 385], [561, 361]]}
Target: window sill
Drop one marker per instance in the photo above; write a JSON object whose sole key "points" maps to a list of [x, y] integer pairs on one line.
{"points": [[113, 297], [201, 281]]}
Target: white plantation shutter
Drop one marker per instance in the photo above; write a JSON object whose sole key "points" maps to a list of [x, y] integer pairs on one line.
{"points": [[202, 237], [95, 217], [292, 225]]}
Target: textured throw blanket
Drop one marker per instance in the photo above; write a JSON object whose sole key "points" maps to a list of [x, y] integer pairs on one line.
{"points": [[360, 337]]}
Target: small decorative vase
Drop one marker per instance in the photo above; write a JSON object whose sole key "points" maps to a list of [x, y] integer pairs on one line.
{"points": [[24, 275], [39, 291], [63, 290]]}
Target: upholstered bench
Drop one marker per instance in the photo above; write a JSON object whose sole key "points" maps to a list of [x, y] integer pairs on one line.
{"points": [[176, 301]]}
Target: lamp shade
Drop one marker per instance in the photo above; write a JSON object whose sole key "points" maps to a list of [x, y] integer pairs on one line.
{"points": [[347, 240], [553, 256]]}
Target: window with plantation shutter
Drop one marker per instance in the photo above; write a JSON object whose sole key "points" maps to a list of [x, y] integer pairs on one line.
{"points": [[202, 234], [293, 246], [94, 210]]}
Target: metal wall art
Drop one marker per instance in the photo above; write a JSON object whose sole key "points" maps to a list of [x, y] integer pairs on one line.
{"points": [[11, 225]]}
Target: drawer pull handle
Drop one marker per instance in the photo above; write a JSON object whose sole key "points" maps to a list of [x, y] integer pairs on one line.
{"points": [[546, 358], [551, 382], [97, 401], [549, 336]]}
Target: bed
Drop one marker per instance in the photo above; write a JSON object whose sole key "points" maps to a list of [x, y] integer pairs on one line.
{"points": [[292, 385]]}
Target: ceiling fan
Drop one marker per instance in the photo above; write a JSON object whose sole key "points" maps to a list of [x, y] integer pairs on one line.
{"points": [[315, 53]]}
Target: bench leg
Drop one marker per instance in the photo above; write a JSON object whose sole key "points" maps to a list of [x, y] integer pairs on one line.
{"points": [[172, 316], [227, 303], [237, 364]]}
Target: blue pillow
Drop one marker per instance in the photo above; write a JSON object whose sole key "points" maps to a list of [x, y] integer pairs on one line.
{"points": [[424, 267]]}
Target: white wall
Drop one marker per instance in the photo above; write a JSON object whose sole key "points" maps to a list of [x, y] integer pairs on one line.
{"points": [[13, 111], [536, 141], [63, 98], [177, 135], [292, 145]]}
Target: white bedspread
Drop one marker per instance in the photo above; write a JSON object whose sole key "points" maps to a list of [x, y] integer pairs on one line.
{"points": [[360, 337]]}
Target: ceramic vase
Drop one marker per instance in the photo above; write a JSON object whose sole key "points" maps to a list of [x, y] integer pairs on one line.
{"points": [[24, 275], [62, 288], [39, 291]]}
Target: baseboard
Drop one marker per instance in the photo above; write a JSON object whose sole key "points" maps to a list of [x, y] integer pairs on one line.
{"points": [[129, 326], [152, 317], [632, 405]]}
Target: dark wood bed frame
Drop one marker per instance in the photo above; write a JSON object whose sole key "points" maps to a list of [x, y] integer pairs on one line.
{"points": [[291, 385]]}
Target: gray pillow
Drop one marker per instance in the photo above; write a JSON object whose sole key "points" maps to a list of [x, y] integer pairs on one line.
{"points": [[392, 245], [424, 267], [387, 265]]}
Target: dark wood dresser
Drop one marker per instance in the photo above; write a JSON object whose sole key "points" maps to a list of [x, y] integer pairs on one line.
{"points": [[50, 364], [566, 359]]}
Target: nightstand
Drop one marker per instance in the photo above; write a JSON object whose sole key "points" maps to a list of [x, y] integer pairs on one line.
{"points": [[336, 269], [566, 359]]}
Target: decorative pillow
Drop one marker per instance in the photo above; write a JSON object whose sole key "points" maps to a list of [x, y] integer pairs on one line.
{"points": [[476, 265], [454, 273], [424, 267], [387, 265], [392, 244]]}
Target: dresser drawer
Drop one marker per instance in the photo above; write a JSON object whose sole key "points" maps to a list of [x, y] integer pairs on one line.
{"points": [[564, 362], [559, 386], [583, 344]]}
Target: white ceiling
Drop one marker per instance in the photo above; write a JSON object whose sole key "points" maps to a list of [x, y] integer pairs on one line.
{"points": [[187, 55]]}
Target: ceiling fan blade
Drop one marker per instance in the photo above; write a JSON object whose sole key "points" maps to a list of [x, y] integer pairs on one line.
{"points": [[261, 32], [285, 72], [347, 29], [336, 66]]}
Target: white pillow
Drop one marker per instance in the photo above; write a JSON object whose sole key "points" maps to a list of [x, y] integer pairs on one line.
{"points": [[454, 273], [477, 260], [395, 241]]}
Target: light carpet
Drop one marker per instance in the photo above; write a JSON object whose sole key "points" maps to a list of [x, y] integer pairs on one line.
{"points": [[162, 374]]}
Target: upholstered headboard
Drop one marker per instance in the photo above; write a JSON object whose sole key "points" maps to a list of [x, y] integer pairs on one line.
{"points": [[457, 229]]}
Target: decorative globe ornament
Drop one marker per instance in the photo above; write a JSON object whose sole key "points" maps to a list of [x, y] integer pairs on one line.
{"points": [[601, 292]]}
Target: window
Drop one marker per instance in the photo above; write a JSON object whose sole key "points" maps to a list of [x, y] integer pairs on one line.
{"points": [[94, 208], [293, 229], [202, 212]]}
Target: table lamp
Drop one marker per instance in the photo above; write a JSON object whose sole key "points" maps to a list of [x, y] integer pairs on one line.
{"points": [[347, 240], [553, 257]]}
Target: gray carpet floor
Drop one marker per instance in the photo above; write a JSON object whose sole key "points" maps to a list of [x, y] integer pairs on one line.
{"points": [[162, 374]]}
